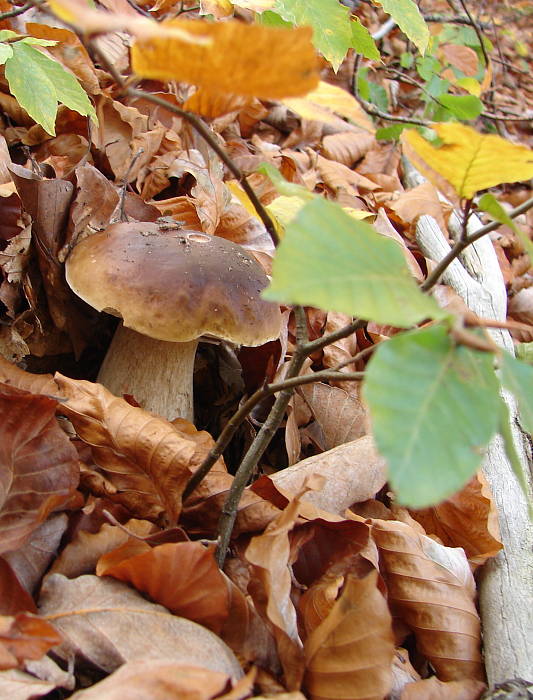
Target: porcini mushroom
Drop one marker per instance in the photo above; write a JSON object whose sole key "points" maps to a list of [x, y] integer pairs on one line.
{"points": [[170, 287]]}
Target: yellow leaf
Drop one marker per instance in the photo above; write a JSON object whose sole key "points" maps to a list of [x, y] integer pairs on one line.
{"points": [[217, 8], [252, 60], [323, 103], [255, 5], [468, 160]]}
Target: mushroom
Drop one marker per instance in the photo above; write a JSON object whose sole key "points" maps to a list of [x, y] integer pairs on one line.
{"points": [[170, 287]]}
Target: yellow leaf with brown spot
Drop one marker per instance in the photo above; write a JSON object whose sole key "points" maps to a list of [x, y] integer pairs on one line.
{"points": [[468, 160], [264, 62]]}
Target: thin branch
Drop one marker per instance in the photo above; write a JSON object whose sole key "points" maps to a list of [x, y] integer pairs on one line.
{"points": [[460, 245], [17, 11], [267, 432], [207, 135], [201, 129], [457, 19]]}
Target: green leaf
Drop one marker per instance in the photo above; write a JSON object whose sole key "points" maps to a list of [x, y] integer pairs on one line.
{"points": [[490, 205], [272, 19], [390, 133], [462, 106], [283, 186], [407, 16], [329, 260], [362, 41], [332, 29], [6, 51], [434, 407], [38, 83], [524, 352]]}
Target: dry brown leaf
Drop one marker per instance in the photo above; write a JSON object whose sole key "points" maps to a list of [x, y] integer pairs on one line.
{"points": [[340, 417], [182, 576], [433, 689], [340, 178], [32, 560], [521, 306], [157, 679], [270, 585], [83, 551], [20, 685], [107, 623], [347, 147], [416, 202], [431, 588], [24, 637], [271, 63], [468, 519], [142, 455], [384, 226], [349, 655], [14, 598], [353, 472], [39, 467], [211, 105]]}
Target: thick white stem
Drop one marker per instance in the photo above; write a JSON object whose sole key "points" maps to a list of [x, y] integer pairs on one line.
{"points": [[157, 373]]}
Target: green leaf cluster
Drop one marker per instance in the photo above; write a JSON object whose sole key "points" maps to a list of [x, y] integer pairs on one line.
{"points": [[38, 82]]}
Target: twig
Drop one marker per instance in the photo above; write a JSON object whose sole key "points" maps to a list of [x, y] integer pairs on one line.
{"points": [[17, 11], [269, 428], [204, 132], [458, 19], [461, 244]]}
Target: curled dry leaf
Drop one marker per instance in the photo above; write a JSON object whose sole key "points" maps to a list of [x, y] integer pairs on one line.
{"points": [[350, 653], [141, 455], [270, 585], [182, 576], [158, 679], [83, 551], [23, 637], [468, 519], [431, 588], [38, 465], [14, 598], [107, 623], [353, 472], [340, 417], [32, 560]]}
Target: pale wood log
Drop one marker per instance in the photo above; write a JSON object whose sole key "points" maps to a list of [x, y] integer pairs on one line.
{"points": [[505, 582], [159, 374]]}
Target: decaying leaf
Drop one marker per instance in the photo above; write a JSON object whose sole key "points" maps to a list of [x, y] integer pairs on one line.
{"points": [[350, 653], [23, 637], [107, 623], [431, 588], [38, 465], [182, 576]]}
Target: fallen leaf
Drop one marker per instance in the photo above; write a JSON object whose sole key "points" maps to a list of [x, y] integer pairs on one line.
{"points": [[468, 519], [433, 689], [39, 466], [107, 623], [182, 576], [23, 637], [432, 589], [349, 654]]}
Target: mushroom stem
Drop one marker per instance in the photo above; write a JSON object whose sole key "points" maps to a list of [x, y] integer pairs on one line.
{"points": [[158, 373]]}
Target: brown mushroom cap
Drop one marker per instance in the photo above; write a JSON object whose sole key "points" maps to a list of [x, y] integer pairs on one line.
{"points": [[174, 285]]}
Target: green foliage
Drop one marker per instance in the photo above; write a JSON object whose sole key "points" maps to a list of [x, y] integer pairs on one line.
{"points": [[330, 260], [490, 205], [39, 83], [334, 31], [463, 107], [517, 377], [407, 16], [434, 407]]}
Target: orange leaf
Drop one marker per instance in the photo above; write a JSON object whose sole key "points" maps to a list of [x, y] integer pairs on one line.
{"points": [[25, 637], [182, 576], [349, 655], [240, 59], [468, 519], [431, 588]]}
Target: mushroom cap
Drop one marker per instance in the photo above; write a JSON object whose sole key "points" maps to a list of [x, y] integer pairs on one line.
{"points": [[173, 284]]}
